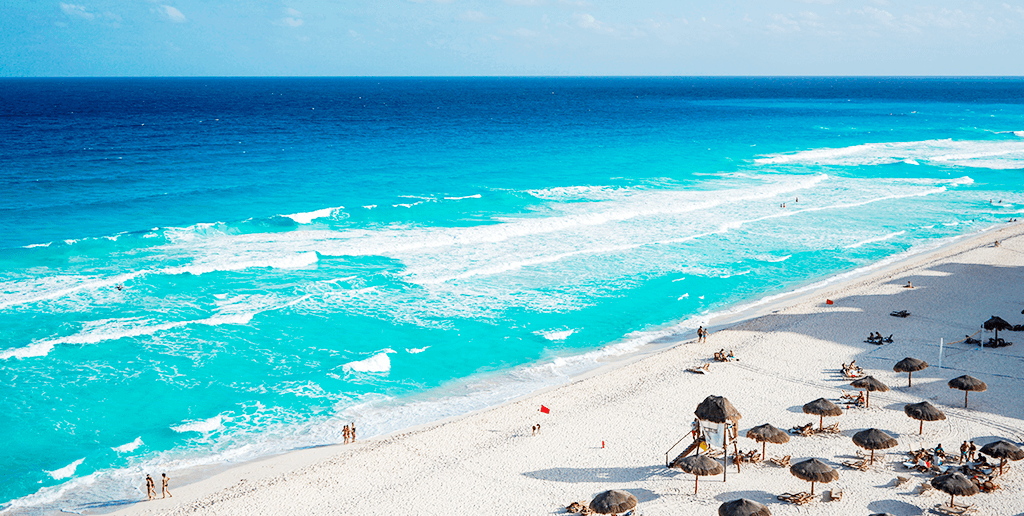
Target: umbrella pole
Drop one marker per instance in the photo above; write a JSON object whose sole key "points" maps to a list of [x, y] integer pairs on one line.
{"points": [[910, 381], [812, 487], [1001, 462], [965, 398], [736, 449], [821, 423], [921, 430], [872, 457], [763, 444], [695, 477]]}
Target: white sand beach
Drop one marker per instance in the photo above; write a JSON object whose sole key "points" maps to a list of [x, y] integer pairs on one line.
{"points": [[490, 463]]}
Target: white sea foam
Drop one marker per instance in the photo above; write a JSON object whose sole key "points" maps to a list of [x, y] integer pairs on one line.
{"points": [[94, 332], [66, 471], [416, 350], [200, 425], [306, 218], [370, 206], [682, 297], [477, 196], [773, 259], [379, 363], [875, 239], [30, 246], [408, 205], [992, 154], [555, 335], [129, 447]]}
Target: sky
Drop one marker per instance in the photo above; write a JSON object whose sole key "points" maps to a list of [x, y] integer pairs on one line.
{"points": [[509, 37]]}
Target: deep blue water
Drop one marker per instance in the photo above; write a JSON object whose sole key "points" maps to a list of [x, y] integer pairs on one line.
{"points": [[300, 253]]}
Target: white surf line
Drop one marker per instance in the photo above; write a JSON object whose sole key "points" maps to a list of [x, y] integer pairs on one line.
{"points": [[725, 228]]}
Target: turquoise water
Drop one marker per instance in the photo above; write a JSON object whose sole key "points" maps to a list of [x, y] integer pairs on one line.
{"points": [[297, 254]]}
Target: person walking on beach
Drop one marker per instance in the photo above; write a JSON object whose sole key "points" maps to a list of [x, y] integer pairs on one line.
{"points": [[700, 334], [150, 487], [167, 492], [352, 432], [345, 433]]}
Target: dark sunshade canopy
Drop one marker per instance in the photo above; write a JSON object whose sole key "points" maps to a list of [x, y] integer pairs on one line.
{"points": [[822, 407], [967, 384], [873, 439], [1003, 450], [909, 365], [717, 409], [700, 466], [767, 434], [743, 507], [870, 384], [922, 412], [997, 323], [613, 502], [813, 470], [955, 484]]}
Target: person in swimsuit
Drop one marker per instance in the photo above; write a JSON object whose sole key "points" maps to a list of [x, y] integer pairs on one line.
{"points": [[167, 492], [150, 487]]}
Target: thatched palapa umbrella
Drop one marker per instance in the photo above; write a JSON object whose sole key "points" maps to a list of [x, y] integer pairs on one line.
{"points": [[909, 365], [813, 470], [717, 409], [822, 407], [869, 384], [699, 466], [1003, 450], [967, 384], [923, 411], [613, 502], [767, 434], [873, 439], [997, 323], [955, 484], [743, 507]]}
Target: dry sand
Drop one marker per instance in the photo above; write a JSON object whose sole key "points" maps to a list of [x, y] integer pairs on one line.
{"points": [[489, 463]]}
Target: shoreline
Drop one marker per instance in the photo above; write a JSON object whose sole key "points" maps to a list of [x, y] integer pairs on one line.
{"points": [[193, 488]]}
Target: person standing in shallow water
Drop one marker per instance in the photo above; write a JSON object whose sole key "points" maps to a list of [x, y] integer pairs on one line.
{"points": [[353, 431], [167, 492], [345, 433]]}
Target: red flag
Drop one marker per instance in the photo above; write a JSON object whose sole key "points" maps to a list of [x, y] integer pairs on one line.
{"points": [[545, 409], [828, 301]]}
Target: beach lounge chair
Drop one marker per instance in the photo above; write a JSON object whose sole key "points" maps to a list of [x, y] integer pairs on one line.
{"points": [[830, 429], [861, 465], [900, 480], [699, 369], [900, 313], [782, 462], [798, 498], [954, 510], [805, 430], [835, 495]]}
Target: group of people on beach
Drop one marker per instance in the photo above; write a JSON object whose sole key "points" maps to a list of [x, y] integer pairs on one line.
{"points": [[968, 451], [349, 433], [151, 486], [702, 334]]}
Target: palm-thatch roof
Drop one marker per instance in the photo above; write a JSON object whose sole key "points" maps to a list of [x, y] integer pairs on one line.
{"points": [[909, 365], [813, 470], [822, 407], [955, 484], [922, 412], [873, 439], [717, 409], [613, 502], [767, 434], [967, 384], [869, 384], [699, 466], [1003, 450], [743, 507]]}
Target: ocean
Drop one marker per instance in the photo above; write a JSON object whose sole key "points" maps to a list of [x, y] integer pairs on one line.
{"points": [[203, 271]]}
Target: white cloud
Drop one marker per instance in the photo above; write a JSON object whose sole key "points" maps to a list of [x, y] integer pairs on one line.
{"points": [[294, 13], [1015, 8], [172, 14], [78, 11], [524, 2], [475, 16], [292, 22], [587, 21]]}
